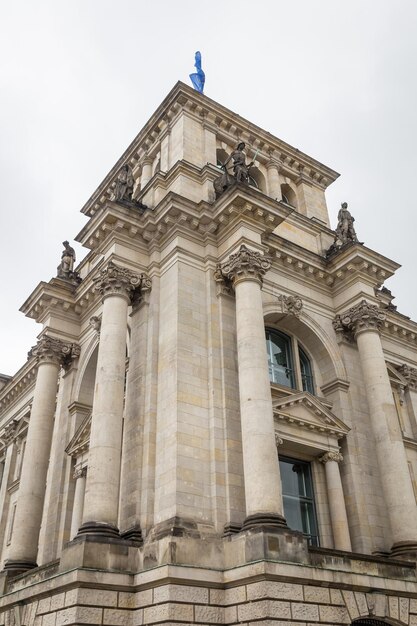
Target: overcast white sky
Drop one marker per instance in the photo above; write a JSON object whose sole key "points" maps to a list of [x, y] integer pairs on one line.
{"points": [[79, 78]]}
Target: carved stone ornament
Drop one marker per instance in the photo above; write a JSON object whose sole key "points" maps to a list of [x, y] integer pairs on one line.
{"points": [[123, 191], [245, 264], [359, 318], [345, 231], [65, 269], [115, 280], [291, 305], [95, 323], [79, 472], [331, 456], [52, 350], [278, 440], [410, 374], [9, 433]]}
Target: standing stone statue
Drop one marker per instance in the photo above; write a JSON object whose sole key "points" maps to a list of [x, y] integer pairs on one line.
{"points": [[240, 171], [345, 230], [65, 269], [124, 184], [67, 261]]}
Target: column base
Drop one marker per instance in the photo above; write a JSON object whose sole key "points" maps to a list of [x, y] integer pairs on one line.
{"points": [[98, 529], [175, 527], [404, 550], [133, 534], [269, 520], [231, 529], [19, 566]]}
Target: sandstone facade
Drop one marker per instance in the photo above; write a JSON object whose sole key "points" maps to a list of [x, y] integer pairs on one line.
{"points": [[218, 423]]}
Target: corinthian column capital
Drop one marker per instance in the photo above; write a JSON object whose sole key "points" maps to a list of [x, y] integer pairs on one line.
{"points": [[246, 264], [359, 318], [53, 350], [331, 456], [120, 281]]}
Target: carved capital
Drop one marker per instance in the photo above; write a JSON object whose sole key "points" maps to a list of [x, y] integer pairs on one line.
{"points": [[56, 351], [246, 264], [331, 456], [359, 318], [291, 305], [410, 374], [120, 281], [79, 472]]}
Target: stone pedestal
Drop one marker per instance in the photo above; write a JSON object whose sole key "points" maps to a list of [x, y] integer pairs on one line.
{"points": [[261, 469], [51, 354]]}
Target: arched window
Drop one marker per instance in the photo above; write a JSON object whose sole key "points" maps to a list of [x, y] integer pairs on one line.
{"points": [[288, 195], [288, 363]]}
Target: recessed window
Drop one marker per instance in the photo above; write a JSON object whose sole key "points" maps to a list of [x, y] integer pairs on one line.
{"points": [[298, 498], [284, 369]]}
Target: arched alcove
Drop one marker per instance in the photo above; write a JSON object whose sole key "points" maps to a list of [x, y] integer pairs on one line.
{"points": [[87, 379], [257, 179], [288, 195], [221, 156]]}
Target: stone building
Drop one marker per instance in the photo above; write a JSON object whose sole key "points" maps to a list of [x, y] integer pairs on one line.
{"points": [[218, 424]]}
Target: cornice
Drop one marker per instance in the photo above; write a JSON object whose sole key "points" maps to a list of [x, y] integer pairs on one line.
{"points": [[357, 259], [57, 294], [228, 125], [20, 384], [176, 213]]}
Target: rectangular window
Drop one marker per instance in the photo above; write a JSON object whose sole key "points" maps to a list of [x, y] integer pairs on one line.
{"points": [[298, 498]]}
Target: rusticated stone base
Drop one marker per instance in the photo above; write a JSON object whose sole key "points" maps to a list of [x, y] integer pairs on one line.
{"points": [[269, 520], [96, 529]]}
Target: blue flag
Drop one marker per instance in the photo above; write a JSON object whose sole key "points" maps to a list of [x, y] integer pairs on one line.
{"points": [[198, 78]]}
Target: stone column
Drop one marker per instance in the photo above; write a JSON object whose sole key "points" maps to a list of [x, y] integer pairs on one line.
{"points": [[364, 321], [336, 499], [274, 184], [51, 353], [146, 172], [245, 270], [116, 286], [77, 511]]}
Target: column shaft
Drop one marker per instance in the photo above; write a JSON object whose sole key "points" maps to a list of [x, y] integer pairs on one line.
{"points": [[337, 505], [396, 484], [274, 183], [77, 511], [103, 479], [28, 516]]}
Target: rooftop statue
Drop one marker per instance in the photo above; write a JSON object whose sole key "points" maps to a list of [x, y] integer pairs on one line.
{"points": [[124, 184], [65, 269], [123, 191], [240, 170], [345, 231], [198, 78]]}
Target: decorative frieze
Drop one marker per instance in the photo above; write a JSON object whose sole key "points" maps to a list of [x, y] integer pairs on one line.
{"points": [[117, 280], [331, 456], [243, 265], [361, 317], [53, 350], [278, 440], [291, 305]]}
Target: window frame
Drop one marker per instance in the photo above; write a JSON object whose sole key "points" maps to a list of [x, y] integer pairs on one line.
{"points": [[294, 358]]}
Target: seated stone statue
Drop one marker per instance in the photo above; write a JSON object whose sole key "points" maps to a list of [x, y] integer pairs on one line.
{"points": [[240, 171]]}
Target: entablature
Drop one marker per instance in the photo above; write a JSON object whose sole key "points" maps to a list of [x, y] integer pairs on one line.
{"points": [[18, 385]]}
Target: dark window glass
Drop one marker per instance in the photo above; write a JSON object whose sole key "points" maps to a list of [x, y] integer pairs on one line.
{"points": [[298, 498], [280, 362], [306, 373]]}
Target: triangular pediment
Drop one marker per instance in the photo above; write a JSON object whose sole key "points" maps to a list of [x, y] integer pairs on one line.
{"points": [[307, 411], [81, 439], [395, 376]]}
